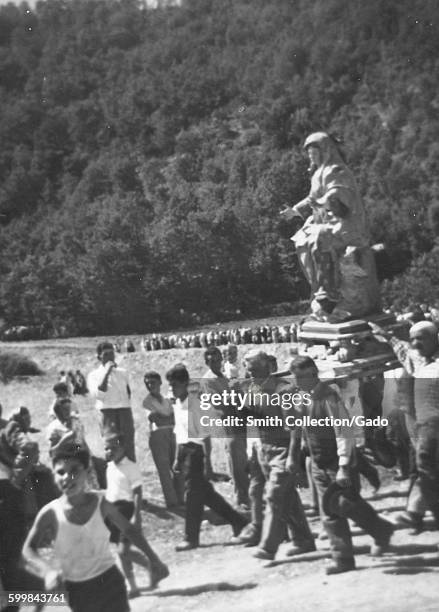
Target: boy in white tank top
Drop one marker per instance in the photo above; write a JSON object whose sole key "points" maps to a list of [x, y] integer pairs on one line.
{"points": [[74, 526]]}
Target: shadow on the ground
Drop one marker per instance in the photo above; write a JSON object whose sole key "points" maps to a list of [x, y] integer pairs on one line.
{"points": [[315, 555], [160, 511], [202, 588], [385, 495], [407, 559], [407, 571], [428, 526], [413, 565], [413, 549]]}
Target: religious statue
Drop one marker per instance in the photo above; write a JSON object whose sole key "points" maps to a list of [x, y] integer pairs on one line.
{"points": [[333, 243]]}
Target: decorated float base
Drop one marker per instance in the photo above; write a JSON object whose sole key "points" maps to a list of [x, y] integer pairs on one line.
{"points": [[348, 350]]}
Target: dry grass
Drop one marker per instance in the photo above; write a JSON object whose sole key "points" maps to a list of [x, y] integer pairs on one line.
{"points": [[71, 354]]}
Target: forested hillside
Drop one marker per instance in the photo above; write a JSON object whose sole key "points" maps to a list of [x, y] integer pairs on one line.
{"points": [[145, 154]]}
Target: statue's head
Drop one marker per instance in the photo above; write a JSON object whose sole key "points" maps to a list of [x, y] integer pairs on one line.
{"points": [[321, 149], [317, 139]]}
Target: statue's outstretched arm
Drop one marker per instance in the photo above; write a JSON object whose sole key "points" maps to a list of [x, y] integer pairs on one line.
{"points": [[302, 209]]}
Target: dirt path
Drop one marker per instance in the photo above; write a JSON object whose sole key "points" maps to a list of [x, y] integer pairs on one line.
{"points": [[220, 576]]}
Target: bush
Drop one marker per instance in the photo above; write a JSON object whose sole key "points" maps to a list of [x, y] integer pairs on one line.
{"points": [[13, 364], [419, 284], [283, 309]]}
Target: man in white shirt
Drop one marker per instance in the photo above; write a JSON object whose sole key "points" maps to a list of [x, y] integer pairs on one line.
{"points": [[190, 436], [109, 386]]}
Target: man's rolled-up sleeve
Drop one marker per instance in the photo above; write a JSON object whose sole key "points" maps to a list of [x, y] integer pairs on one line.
{"points": [[344, 434]]}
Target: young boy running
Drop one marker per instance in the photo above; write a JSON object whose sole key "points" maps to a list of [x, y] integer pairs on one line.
{"points": [[74, 525], [124, 490]]}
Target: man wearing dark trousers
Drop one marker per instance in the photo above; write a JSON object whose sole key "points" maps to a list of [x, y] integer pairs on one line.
{"points": [[199, 492], [332, 449], [269, 468], [109, 385]]}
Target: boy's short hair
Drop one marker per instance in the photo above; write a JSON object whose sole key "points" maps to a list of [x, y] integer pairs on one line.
{"points": [[68, 448], [60, 403], [301, 363], [257, 354], [103, 346], [210, 351], [178, 373], [152, 374], [60, 387]]}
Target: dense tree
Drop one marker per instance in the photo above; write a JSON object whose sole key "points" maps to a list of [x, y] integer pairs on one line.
{"points": [[146, 153]]}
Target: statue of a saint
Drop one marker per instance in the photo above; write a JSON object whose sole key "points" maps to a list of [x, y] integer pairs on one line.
{"points": [[333, 244]]}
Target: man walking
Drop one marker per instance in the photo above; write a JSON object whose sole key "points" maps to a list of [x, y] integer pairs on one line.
{"points": [[332, 450], [269, 470], [190, 460]]}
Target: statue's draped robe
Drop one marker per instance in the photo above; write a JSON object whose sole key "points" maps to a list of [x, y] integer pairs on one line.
{"points": [[334, 250]]}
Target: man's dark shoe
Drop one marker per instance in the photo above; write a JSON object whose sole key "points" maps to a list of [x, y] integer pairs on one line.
{"points": [[260, 553], [238, 528], [250, 536]]}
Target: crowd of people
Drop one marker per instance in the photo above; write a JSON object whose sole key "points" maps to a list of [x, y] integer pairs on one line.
{"points": [[84, 502], [262, 334]]}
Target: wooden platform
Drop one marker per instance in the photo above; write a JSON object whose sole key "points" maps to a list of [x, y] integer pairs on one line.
{"points": [[330, 370], [315, 332]]}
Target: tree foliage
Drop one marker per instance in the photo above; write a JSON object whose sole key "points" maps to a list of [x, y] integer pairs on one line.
{"points": [[146, 153]]}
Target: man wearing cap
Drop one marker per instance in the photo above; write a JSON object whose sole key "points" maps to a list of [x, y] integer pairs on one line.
{"points": [[110, 387], [332, 449], [335, 229], [420, 358], [269, 471]]}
